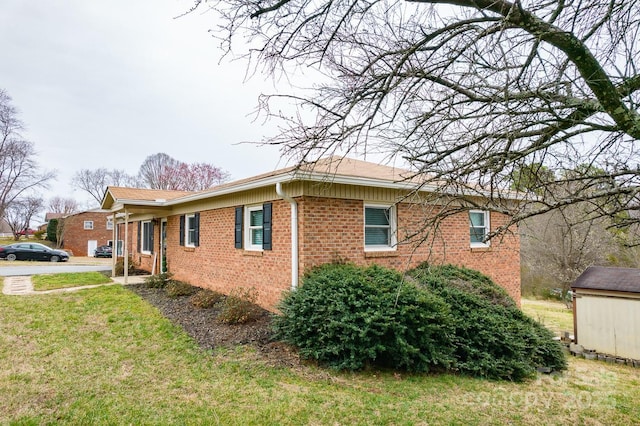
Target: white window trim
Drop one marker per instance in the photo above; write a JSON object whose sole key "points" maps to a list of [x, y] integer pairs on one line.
{"points": [[487, 227], [88, 225], [247, 228], [110, 224], [393, 227], [142, 238], [187, 241]]}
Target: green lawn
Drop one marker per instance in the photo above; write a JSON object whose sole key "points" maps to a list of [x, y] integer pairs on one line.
{"points": [[67, 279], [105, 356]]}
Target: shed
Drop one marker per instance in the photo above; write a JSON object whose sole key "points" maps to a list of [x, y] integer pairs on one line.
{"points": [[606, 311]]}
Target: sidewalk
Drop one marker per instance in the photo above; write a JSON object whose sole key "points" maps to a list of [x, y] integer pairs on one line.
{"points": [[21, 285]]}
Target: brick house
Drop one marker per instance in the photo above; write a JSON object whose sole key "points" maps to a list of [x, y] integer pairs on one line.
{"points": [[85, 231], [266, 231]]}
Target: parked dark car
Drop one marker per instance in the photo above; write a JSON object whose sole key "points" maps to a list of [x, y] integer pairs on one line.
{"points": [[102, 251], [32, 251]]}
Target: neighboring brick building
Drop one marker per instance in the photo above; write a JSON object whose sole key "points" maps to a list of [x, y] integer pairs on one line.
{"points": [[85, 231], [266, 231]]}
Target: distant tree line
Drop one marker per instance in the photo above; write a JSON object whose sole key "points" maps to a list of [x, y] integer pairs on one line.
{"points": [[158, 171], [559, 245]]}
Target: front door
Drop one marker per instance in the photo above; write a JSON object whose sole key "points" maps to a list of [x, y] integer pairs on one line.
{"points": [[163, 246], [92, 245]]}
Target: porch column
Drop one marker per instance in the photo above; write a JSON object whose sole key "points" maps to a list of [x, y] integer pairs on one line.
{"points": [[114, 245]]}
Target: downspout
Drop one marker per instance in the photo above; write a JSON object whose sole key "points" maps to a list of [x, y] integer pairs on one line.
{"points": [[294, 234]]}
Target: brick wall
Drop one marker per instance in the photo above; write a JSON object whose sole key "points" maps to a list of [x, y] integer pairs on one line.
{"points": [[334, 229], [217, 265], [76, 238], [329, 229]]}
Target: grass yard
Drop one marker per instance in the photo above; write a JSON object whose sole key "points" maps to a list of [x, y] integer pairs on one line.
{"points": [[553, 314], [67, 279], [105, 356]]}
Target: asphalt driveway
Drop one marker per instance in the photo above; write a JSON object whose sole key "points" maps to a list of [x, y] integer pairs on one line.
{"points": [[75, 264]]}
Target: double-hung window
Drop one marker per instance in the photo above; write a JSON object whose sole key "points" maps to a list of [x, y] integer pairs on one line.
{"points": [[146, 237], [190, 230], [379, 227], [479, 228], [253, 227], [255, 232], [88, 224], [110, 223]]}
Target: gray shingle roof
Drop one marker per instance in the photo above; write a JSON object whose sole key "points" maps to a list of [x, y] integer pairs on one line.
{"points": [[612, 279]]}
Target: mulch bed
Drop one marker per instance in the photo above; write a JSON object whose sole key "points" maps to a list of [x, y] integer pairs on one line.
{"points": [[202, 326]]}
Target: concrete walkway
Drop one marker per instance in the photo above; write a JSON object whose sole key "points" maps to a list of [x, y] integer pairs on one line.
{"points": [[22, 285]]}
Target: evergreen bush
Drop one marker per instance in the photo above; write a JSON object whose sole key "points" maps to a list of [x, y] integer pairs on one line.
{"points": [[350, 317], [52, 228], [434, 318], [493, 338]]}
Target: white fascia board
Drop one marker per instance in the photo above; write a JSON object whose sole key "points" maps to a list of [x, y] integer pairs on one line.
{"points": [[122, 204]]}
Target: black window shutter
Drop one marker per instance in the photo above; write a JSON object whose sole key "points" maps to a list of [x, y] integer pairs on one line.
{"points": [[266, 226], [151, 239], [139, 234], [196, 241], [182, 230], [238, 227]]}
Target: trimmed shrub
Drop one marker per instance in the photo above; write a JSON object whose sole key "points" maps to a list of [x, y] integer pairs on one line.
{"points": [[493, 338], [239, 306], [205, 299], [349, 317], [179, 288], [158, 281], [120, 266]]}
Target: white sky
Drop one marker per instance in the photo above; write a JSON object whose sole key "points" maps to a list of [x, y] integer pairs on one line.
{"points": [[107, 83]]}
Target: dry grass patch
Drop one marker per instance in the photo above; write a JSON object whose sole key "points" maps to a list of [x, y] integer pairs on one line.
{"points": [[553, 314]]}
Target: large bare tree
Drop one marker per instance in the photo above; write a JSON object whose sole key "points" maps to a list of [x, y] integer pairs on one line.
{"points": [[161, 171], [465, 92], [95, 182], [19, 214], [19, 171]]}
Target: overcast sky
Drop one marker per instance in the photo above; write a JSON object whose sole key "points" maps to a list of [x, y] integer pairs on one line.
{"points": [[107, 83]]}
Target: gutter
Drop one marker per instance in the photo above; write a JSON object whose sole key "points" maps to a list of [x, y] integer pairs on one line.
{"points": [[294, 234]]}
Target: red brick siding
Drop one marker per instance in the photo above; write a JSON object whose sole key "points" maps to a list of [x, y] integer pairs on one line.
{"points": [[217, 265], [76, 238], [329, 229], [333, 228]]}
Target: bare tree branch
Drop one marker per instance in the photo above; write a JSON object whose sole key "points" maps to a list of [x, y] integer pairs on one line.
{"points": [[464, 92]]}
